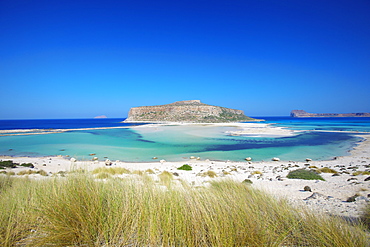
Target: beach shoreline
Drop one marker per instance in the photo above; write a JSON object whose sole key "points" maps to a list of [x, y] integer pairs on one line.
{"points": [[329, 196]]}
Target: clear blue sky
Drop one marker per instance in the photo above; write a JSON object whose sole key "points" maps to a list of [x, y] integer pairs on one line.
{"points": [[80, 59]]}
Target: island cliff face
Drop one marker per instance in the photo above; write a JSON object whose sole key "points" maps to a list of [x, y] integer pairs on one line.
{"points": [[190, 111], [301, 113]]}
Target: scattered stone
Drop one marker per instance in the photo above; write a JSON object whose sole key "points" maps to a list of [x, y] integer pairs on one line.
{"points": [[307, 188], [247, 181], [73, 160], [95, 158], [275, 159], [248, 159], [308, 159], [351, 179], [335, 175], [175, 174], [316, 195], [352, 198], [359, 198], [367, 179], [154, 158], [108, 162]]}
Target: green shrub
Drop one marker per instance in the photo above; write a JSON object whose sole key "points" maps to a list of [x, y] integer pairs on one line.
{"points": [[8, 164], [185, 167], [304, 174], [30, 165]]}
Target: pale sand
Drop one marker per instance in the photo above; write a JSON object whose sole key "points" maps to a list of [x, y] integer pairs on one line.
{"points": [[335, 190]]}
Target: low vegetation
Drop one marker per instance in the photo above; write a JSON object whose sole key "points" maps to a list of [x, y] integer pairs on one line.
{"points": [[80, 210], [185, 167], [10, 164], [210, 174], [111, 170], [304, 174], [356, 173], [7, 164], [326, 170]]}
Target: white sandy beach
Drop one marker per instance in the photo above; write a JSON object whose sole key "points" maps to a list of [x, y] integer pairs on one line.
{"points": [[328, 196]]}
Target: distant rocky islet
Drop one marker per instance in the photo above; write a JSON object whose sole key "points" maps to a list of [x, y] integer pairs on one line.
{"points": [[188, 111]]}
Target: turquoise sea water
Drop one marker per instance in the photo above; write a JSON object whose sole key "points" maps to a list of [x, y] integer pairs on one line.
{"points": [[175, 143]]}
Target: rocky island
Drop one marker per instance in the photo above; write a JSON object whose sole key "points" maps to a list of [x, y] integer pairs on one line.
{"points": [[301, 113], [189, 111]]}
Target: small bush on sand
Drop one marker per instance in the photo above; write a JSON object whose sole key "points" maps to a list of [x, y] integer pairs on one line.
{"points": [[185, 167], [8, 164], [247, 181], [256, 173], [30, 165], [304, 174], [210, 174], [150, 171], [356, 173], [327, 170]]}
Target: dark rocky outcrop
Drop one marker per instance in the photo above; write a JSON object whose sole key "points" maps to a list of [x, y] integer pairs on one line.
{"points": [[302, 113], [190, 111]]}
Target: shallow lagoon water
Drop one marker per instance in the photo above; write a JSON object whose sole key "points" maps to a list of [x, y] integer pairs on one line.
{"points": [[175, 143]]}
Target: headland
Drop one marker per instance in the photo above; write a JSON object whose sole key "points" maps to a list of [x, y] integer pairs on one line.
{"points": [[302, 113]]}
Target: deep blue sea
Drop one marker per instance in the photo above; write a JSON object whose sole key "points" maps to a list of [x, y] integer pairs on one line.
{"points": [[322, 138]]}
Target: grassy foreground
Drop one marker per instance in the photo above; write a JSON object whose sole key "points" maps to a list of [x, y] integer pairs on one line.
{"points": [[80, 210]]}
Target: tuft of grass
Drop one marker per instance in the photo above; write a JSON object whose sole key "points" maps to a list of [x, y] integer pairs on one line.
{"points": [[150, 171], [226, 173], [185, 167], [356, 173], [313, 167], [166, 178], [256, 172], [210, 174], [29, 172], [111, 170], [365, 217], [304, 174], [138, 172], [103, 175], [80, 210], [327, 170]]}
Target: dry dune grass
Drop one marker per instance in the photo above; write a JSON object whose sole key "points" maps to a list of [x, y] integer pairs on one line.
{"points": [[137, 211]]}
